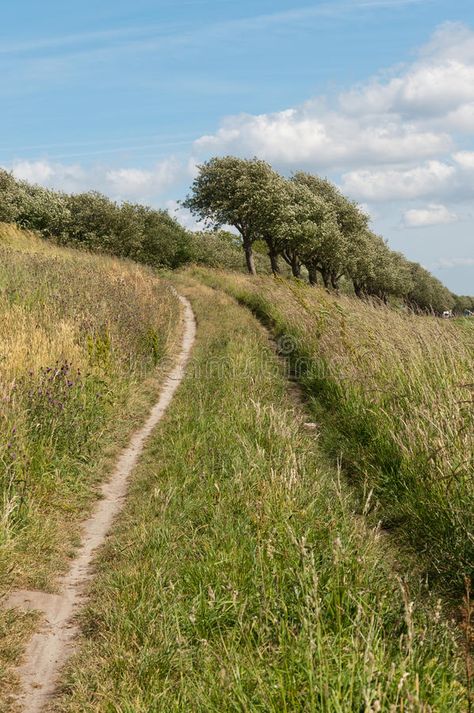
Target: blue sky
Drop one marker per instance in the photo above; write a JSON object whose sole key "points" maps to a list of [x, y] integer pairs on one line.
{"points": [[377, 94]]}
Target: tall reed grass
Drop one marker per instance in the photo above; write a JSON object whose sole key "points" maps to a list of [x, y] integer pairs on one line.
{"points": [[393, 394]]}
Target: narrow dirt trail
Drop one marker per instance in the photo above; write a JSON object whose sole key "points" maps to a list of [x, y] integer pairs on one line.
{"points": [[54, 643]]}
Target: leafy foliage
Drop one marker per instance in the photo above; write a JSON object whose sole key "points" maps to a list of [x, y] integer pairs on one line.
{"points": [[93, 221], [308, 221]]}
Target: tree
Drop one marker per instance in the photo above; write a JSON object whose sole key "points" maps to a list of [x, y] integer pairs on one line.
{"points": [[309, 230], [94, 221], [44, 210], [428, 294], [9, 197], [165, 242], [463, 303], [361, 264], [243, 193], [350, 221]]}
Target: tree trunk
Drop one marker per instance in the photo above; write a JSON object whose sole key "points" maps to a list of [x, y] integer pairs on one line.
{"points": [[249, 257], [312, 275], [335, 282], [325, 277], [295, 265], [273, 255]]}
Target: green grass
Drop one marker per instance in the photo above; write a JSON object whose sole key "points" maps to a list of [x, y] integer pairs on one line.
{"points": [[83, 346], [240, 577], [393, 394]]}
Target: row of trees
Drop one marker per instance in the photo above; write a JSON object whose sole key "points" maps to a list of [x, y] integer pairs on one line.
{"points": [[463, 303], [305, 224], [306, 221], [93, 221]]}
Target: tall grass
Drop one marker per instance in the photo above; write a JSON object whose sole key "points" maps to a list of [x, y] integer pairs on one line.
{"points": [[394, 395], [239, 578], [79, 335]]}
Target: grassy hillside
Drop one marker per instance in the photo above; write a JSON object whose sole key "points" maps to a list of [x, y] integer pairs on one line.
{"points": [[393, 393], [245, 573], [82, 342], [240, 578]]}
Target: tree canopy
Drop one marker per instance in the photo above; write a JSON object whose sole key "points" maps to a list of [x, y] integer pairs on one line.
{"points": [[307, 221]]}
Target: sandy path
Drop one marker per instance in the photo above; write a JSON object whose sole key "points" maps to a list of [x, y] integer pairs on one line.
{"points": [[50, 648]]}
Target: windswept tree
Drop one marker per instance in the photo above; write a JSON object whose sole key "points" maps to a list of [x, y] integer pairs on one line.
{"points": [[305, 220], [351, 221], [362, 259], [243, 193], [390, 275], [308, 229], [428, 294]]}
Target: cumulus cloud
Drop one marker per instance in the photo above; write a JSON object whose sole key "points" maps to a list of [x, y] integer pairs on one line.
{"points": [[465, 159], [53, 175], [137, 183], [313, 135], [394, 136], [430, 88], [121, 183], [432, 214], [399, 184]]}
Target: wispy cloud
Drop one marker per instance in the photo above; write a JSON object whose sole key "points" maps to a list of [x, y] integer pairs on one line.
{"points": [[42, 43], [455, 262], [121, 143], [124, 38]]}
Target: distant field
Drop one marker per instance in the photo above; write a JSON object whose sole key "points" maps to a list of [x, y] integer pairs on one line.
{"points": [[394, 396], [81, 342]]}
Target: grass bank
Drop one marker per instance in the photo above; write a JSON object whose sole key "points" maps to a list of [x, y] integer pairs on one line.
{"points": [[239, 577], [83, 342], [393, 393]]}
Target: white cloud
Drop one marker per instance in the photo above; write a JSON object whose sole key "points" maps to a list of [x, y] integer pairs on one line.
{"points": [[465, 159], [388, 184], [439, 82], [138, 183], [54, 175], [450, 40], [429, 89], [432, 214], [393, 136], [461, 119], [313, 135], [121, 183]]}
